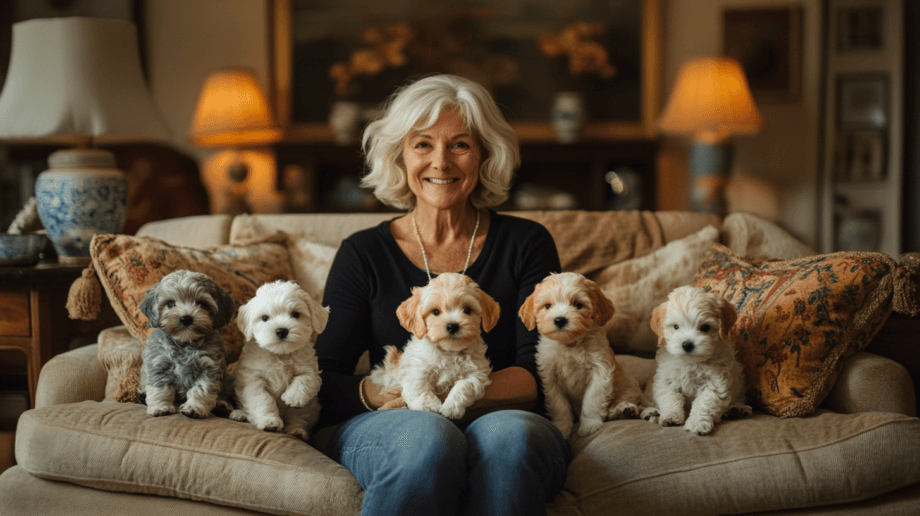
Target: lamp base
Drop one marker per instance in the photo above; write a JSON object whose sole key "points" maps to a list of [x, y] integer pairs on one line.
{"points": [[710, 165], [80, 195]]}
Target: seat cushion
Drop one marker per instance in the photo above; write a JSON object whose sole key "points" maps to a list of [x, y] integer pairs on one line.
{"points": [[118, 447], [760, 463]]}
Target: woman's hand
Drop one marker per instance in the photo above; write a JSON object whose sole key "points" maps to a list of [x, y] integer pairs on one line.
{"points": [[382, 400]]}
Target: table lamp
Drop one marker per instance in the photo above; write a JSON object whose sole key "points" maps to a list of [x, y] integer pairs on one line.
{"points": [[711, 101], [78, 81], [233, 112]]}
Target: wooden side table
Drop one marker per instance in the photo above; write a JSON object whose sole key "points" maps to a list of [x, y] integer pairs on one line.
{"points": [[34, 319]]}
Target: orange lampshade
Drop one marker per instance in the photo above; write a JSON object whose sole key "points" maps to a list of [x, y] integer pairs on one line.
{"points": [[232, 111], [711, 100]]}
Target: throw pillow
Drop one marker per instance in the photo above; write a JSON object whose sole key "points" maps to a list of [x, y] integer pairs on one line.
{"points": [[310, 261], [638, 285], [799, 319], [128, 266]]}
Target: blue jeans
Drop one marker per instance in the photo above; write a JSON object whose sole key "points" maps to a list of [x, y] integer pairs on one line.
{"points": [[415, 462]]}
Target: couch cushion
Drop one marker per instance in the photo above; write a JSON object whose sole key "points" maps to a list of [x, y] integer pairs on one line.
{"points": [[636, 286], [751, 236], [118, 447], [799, 319], [760, 463]]}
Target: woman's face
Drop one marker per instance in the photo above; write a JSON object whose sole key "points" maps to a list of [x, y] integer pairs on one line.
{"points": [[442, 162]]}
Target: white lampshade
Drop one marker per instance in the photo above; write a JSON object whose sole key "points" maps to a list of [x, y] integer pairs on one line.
{"points": [[76, 78]]}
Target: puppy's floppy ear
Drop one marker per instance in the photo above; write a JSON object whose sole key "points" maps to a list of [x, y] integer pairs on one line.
{"points": [[226, 308], [603, 306], [727, 317], [319, 314], [657, 323], [148, 306], [490, 310], [527, 313], [408, 314], [242, 320]]}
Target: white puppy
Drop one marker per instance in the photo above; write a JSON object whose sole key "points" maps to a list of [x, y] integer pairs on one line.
{"points": [[277, 377], [446, 353], [696, 363], [580, 374]]}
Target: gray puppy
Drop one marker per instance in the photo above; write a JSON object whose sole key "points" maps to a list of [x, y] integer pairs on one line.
{"points": [[184, 357]]}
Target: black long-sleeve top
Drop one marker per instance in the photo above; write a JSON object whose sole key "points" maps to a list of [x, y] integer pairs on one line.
{"points": [[370, 277]]}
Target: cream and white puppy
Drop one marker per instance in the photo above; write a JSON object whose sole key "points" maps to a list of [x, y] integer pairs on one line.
{"points": [[277, 377], [580, 373], [446, 353], [696, 363]]}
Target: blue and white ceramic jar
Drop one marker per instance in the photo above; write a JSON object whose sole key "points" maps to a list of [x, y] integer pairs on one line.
{"points": [[80, 195], [568, 116]]}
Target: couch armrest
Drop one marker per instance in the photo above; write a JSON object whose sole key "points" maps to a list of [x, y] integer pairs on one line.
{"points": [[870, 383], [76, 375]]}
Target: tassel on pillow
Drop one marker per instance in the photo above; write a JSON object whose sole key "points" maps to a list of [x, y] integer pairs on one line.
{"points": [[84, 300]]}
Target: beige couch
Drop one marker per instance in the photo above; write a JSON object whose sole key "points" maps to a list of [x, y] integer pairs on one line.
{"points": [[859, 454]]}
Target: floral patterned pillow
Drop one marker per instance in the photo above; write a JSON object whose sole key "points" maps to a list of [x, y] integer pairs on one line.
{"points": [[799, 319], [128, 266]]}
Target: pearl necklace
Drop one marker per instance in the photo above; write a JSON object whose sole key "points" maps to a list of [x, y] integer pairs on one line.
{"points": [[469, 252]]}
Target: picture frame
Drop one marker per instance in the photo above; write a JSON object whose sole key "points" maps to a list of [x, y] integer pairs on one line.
{"points": [[860, 28], [861, 156], [303, 92], [863, 101], [767, 42]]}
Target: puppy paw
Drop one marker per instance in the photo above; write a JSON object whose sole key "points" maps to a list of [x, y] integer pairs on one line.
{"points": [[270, 424], [623, 410], [297, 431], [452, 410], [589, 426], [161, 410], [737, 412], [650, 414], [194, 411], [239, 415], [699, 426], [432, 404], [672, 418], [294, 398]]}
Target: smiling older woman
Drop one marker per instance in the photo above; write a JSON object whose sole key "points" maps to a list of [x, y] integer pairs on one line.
{"points": [[442, 150]]}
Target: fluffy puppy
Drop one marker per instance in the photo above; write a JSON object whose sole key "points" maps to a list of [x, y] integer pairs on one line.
{"points": [[277, 377], [184, 357], [446, 353], [696, 363], [580, 374]]}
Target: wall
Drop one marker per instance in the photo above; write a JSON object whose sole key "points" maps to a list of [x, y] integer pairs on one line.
{"points": [[776, 171]]}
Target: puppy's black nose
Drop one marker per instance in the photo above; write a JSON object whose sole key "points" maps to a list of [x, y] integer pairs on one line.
{"points": [[186, 320], [560, 322], [281, 333], [688, 346], [453, 328]]}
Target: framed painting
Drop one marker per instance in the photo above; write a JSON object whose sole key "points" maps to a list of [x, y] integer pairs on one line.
{"points": [[521, 51], [767, 41]]}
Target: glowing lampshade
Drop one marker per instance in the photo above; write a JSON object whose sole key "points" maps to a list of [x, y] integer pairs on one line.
{"points": [[711, 100], [232, 111]]}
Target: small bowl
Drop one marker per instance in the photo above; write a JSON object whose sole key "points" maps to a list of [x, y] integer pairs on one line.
{"points": [[21, 249]]}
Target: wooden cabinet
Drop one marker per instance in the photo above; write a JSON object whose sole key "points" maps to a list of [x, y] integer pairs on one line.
{"points": [[324, 177]]}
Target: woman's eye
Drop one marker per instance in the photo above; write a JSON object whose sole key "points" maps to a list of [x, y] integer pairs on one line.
{"points": [[462, 145], [264, 318], [676, 327], [295, 315], [579, 306], [548, 306], [170, 304], [467, 310], [436, 312], [705, 328]]}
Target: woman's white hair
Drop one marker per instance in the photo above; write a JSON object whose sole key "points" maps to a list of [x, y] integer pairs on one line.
{"points": [[417, 106]]}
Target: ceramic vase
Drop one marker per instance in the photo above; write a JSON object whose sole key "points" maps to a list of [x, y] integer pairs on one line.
{"points": [[568, 116], [81, 194], [345, 121]]}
